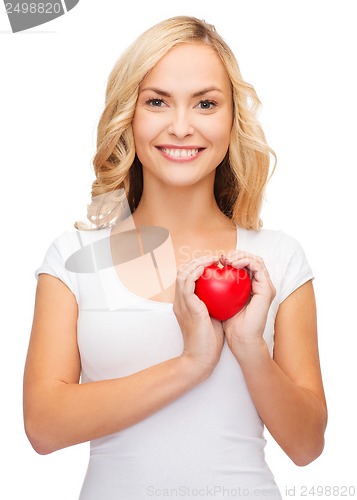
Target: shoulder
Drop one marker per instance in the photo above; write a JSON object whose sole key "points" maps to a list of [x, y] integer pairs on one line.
{"points": [[268, 240], [68, 245], [67, 254], [283, 256], [72, 240]]}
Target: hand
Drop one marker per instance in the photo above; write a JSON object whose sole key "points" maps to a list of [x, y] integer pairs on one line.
{"points": [[247, 326], [203, 336]]}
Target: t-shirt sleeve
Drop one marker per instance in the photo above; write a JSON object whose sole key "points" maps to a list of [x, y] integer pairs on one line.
{"points": [[296, 269], [55, 258]]}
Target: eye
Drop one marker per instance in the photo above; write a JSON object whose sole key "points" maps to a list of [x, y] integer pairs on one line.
{"points": [[206, 104], [156, 103]]}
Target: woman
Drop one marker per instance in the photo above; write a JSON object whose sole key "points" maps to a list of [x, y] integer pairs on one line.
{"points": [[172, 400]]}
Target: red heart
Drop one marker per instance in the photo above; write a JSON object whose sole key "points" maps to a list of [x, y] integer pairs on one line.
{"points": [[225, 290]]}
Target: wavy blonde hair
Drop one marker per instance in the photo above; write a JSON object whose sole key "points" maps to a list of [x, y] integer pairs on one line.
{"points": [[240, 179]]}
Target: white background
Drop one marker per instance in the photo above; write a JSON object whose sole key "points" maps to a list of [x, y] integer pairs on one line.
{"points": [[301, 58]]}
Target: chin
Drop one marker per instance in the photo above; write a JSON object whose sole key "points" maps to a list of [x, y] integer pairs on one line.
{"points": [[181, 183]]}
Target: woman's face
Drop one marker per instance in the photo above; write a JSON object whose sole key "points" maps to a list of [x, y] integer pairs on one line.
{"points": [[183, 118]]}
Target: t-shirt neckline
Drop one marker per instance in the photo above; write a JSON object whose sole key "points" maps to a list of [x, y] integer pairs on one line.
{"points": [[155, 303]]}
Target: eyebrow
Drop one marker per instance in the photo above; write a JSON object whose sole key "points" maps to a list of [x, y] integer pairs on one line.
{"points": [[195, 94]]}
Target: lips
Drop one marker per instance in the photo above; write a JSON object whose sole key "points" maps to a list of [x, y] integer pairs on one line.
{"points": [[180, 153]]}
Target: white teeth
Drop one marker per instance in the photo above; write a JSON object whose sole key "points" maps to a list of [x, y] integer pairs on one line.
{"points": [[180, 153]]}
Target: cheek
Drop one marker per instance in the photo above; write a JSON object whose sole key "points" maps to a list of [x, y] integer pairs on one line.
{"points": [[219, 134], [144, 130]]}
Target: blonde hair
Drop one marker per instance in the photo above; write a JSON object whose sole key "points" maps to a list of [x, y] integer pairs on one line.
{"points": [[242, 176]]}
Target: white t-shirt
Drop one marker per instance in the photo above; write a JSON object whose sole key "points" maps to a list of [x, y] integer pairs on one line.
{"points": [[208, 443]]}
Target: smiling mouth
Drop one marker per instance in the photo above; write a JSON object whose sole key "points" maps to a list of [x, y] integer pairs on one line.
{"points": [[180, 153]]}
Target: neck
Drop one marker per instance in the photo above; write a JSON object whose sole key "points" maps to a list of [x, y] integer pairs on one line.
{"points": [[180, 209]]}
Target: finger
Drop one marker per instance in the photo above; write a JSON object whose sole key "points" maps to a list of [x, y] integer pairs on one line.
{"points": [[238, 254], [186, 292], [241, 259], [190, 274], [254, 265], [190, 283], [186, 269]]}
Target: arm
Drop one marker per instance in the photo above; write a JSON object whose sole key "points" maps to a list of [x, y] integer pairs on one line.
{"points": [[60, 412], [287, 390]]}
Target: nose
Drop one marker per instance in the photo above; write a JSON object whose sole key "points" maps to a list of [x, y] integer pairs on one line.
{"points": [[181, 124]]}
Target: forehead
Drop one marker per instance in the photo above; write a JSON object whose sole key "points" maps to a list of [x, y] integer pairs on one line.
{"points": [[189, 65]]}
